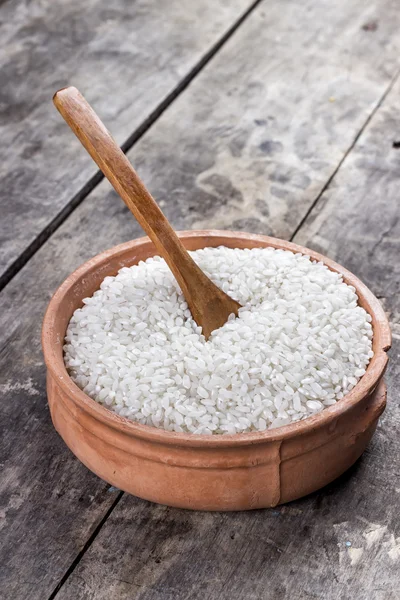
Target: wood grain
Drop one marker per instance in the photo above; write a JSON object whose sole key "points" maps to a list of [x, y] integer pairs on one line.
{"points": [[341, 542], [209, 305], [270, 85], [127, 58]]}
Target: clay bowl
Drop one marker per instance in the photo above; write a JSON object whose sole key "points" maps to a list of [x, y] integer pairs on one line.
{"points": [[221, 472]]}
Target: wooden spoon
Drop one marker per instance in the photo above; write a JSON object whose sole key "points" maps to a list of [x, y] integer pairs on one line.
{"points": [[209, 305]]}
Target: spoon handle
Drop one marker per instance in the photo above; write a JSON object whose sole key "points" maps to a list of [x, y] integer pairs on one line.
{"points": [[201, 294]]}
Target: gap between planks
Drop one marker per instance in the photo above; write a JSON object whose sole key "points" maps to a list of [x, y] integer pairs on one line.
{"points": [[48, 231], [345, 155], [85, 548]]}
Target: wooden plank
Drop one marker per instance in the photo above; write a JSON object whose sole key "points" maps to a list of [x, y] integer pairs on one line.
{"points": [[126, 58], [342, 542], [176, 175]]}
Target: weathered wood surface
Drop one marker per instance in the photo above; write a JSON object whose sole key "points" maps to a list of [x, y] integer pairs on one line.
{"points": [[254, 139], [157, 552], [342, 542], [127, 57]]}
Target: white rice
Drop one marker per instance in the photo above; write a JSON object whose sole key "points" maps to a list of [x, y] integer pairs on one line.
{"points": [[299, 344]]}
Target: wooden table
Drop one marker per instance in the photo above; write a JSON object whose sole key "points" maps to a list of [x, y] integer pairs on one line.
{"points": [[276, 116]]}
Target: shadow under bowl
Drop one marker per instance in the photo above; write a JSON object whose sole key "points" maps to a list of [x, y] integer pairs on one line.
{"points": [[215, 472]]}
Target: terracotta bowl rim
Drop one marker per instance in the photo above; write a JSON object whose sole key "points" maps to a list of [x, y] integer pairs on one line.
{"points": [[367, 383]]}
